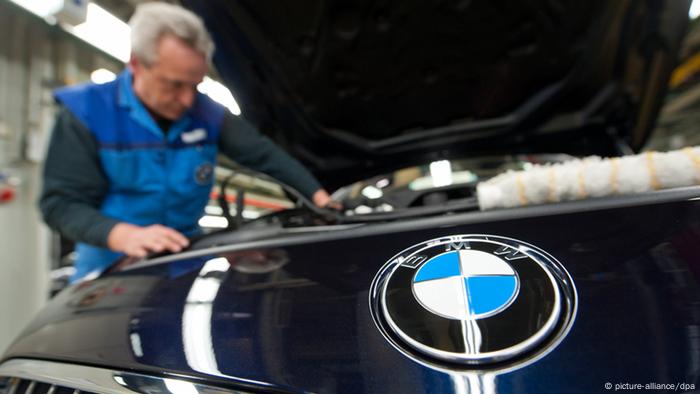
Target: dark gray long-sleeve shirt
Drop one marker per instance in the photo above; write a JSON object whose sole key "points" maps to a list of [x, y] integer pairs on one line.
{"points": [[75, 184]]}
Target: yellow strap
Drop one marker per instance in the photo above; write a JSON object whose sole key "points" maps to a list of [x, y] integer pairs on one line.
{"points": [[521, 189], [686, 70], [653, 179], [582, 181], [695, 160], [614, 171]]}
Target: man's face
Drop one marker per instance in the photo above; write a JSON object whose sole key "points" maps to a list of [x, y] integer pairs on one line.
{"points": [[168, 86]]}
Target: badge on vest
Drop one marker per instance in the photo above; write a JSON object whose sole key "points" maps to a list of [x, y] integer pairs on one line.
{"points": [[192, 136], [203, 173]]}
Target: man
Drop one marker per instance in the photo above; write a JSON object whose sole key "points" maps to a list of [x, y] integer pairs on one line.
{"points": [[129, 168]]}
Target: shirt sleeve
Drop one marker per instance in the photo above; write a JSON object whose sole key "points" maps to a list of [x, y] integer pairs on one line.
{"points": [[240, 142], [74, 184]]}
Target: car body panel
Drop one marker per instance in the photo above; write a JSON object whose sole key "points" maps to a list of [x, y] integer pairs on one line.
{"points": [[302, 321]]}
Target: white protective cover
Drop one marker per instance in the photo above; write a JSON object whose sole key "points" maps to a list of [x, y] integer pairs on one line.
{"points": [[591, 177]]}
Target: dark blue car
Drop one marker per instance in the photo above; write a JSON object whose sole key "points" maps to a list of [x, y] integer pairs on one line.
{"points": [[412, 289]]}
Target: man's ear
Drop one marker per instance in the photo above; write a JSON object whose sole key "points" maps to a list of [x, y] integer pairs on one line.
{"points": [[135, 65]]}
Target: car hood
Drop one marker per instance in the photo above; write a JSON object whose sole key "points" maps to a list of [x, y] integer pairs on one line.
{"points": [[358, 88], [294, 312]]}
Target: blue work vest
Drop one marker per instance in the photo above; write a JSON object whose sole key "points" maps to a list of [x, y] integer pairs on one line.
{"points": [[153, 178]]}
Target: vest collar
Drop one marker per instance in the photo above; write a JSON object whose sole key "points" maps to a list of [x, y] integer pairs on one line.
{"points": [[138, 112]]}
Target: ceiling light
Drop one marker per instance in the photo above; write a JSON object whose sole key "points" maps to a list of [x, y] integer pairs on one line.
{"points": [[694, 11], [102, 75], [105, 31], [42, 8], [219, 93]]}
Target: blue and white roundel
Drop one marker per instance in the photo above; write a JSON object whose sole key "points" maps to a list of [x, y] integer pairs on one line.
{"points": [[465, 284], [473, 299]]}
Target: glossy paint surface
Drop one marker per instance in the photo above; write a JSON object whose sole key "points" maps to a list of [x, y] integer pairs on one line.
{"points": [[296, 316]]}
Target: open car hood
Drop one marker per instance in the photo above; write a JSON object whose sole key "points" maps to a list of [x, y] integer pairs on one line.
{"points": [[354, 89]]}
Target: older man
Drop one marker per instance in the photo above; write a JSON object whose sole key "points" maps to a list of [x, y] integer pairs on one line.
{"points": [[130, 164]]}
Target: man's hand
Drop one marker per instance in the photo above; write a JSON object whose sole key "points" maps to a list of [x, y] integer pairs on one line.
{"points": [[323, 200], [139, 241]]}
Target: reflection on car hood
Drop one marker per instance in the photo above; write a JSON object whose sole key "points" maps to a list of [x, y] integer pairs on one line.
{"points": [[354, 89]]}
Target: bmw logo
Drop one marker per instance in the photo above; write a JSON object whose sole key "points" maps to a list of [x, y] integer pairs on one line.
{"points": [[473, 300]]}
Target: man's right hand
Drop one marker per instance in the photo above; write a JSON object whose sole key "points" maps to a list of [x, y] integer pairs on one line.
{"points": [[139, 241]]}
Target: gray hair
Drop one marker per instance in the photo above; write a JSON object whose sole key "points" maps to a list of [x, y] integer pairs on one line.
{"points": [[152, 21]]}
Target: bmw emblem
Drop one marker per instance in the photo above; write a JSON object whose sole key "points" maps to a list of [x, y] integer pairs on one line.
{"points": [[473, 300]]}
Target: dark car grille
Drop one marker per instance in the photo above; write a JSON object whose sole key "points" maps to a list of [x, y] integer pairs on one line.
{"points": [[25, 376], [26, 386]]}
